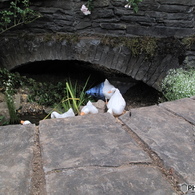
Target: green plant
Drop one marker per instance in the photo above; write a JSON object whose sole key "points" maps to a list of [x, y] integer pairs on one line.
{"points": [[179, 83], [3, 120], [75, 91], [75, 98], [18, 13], [90, 5], [67, 93], [47, 93], [10, 103], [133, 4], [15, 80], [41, 92]]}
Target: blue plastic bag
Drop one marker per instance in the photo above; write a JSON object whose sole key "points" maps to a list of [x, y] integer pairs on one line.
{"points": [[97, 91]]}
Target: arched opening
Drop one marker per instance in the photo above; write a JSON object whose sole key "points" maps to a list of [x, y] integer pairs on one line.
{"points": [[53, 71], [136, 93]]}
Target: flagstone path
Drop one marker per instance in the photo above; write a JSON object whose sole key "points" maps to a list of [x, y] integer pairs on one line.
{"points": [[148, 150]]}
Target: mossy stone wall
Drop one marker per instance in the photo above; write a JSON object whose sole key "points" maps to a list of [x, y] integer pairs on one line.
{"points": [[143, 45]]}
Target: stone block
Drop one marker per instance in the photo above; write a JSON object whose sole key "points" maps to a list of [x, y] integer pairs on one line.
{"points": [[186, 108], [16, 153], [169, 136], [89, 140], [134, 180]]}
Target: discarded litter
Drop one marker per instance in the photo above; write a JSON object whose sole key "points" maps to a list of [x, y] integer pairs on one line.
{"points": [[107, 90], [89, 108], [100, 91], [67, 114], [104, 91], [26, 122], [97, 91], [116, 104]]}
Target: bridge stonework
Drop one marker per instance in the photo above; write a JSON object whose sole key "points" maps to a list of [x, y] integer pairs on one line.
{"points": [[172, 20]]}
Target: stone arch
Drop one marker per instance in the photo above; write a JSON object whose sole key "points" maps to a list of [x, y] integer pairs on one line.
{"points": [[25, 50]]}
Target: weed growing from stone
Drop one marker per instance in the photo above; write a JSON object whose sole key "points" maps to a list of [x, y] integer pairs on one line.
{"points": [[179, 83], [10, 101], [75, 98], [133, 4]]}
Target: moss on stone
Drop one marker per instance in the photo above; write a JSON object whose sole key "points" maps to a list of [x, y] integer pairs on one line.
{"points": [[148, 46], [137, 45], [188, 41]]}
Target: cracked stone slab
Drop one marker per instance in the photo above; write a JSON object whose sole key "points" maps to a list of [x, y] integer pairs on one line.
{"points": [[170, 136], [183, 107], [90, 140], [133, 179], [16, 153]]}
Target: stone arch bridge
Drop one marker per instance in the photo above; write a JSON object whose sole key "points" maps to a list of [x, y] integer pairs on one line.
{"points": [[45, 39], [24, 50]]}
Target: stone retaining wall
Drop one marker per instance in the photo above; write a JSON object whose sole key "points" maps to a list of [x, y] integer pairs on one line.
{"points": [[20, 51], [155, 17]]}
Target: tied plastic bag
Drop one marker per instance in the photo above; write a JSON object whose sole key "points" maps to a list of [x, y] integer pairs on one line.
{"points": [[116, 104], [89, 108], [97, 91], [69, 113]]}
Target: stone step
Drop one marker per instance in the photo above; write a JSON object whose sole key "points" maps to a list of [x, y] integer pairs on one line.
{"points": [[16, 154], [169, 135], [93, 154], [149, 150]]}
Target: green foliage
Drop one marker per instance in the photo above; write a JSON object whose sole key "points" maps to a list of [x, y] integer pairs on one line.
{"points": [[179, 83], [11, 107], [133, 4], [75, 97], [46, 93], [8, 87], [42, 93], [3, 120], [68, 94], [90, 5], [13, 79], [18, 13], [75, 91]]}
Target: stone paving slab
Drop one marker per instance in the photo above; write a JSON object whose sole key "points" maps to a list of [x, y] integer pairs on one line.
{"points": [[16, 153], [183, 107], [170, 136], [90, 140], [127, 180]]}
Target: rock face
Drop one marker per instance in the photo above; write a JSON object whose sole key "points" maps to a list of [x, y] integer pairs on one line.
{"points": [[165, 21]]}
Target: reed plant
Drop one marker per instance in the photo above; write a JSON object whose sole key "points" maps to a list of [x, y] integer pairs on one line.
{"points": [[75, 98]]}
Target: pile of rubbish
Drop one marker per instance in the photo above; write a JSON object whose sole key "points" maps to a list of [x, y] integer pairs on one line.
{"points": [[112, 96]]}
